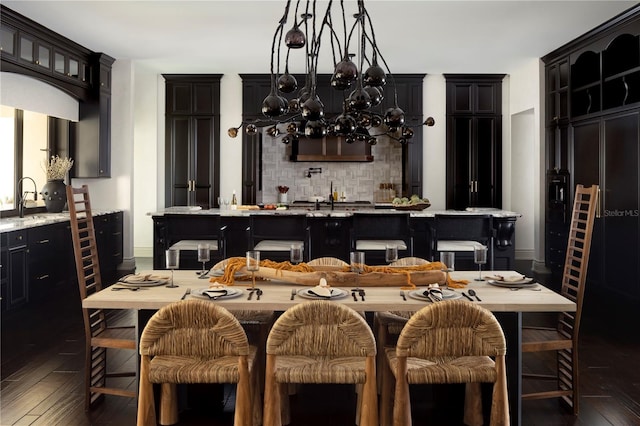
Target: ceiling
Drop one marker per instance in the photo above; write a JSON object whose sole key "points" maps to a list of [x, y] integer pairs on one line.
{"points": [[235, 36]]}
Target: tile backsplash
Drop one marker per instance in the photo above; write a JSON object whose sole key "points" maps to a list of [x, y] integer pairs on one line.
{"points": [[358, 180]]}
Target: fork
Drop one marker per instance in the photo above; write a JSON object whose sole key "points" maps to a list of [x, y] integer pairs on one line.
{"points": [[361, 292], [186, 293]]}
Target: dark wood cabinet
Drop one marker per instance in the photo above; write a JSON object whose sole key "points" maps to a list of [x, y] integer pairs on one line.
{"points": [[109, 230], [474, 141], [38, 261], [169, 229], [599, 141], [92, 143], [15, 269], [48, 273], [330, 237], [192, 147]]}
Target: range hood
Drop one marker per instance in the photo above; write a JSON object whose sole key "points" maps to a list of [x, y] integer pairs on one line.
{"points": [[330, 148]]}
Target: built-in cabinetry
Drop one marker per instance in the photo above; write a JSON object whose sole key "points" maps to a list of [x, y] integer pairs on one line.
{"points": [[596, 137], [255, 87], [30, 49], [474, 140], [192, 147], [15, 269], [38, 261], [329, 235]]}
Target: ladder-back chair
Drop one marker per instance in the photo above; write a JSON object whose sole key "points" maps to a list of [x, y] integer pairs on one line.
{"points": [[98, 335], [564, 337]]}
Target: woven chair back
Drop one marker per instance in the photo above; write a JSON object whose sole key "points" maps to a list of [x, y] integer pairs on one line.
{"points": [[451, 329], [410, 261], [327, 261], [321, 328], [193, 328]]}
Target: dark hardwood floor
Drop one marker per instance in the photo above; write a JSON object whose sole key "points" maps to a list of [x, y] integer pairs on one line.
{"points": [[42, 364]]}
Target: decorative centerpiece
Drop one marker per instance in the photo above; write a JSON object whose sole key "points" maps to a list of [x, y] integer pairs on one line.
{"points": [[54, 191]]}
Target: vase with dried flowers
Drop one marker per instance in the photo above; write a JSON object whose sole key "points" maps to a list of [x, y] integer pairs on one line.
{"points": [[54, 191]]}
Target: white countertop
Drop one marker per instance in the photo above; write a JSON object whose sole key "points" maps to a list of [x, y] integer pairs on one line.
{"points": [[332, 213], [8, 224]]}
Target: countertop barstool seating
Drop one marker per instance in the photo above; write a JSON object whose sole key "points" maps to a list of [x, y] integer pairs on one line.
{"points": [[273, 235], [448, 342], [320, 342], [100, 338], [371, 233], [564, 338], [463, 233], [388, 324], [195, 341], [327, 261], [217, 244]]}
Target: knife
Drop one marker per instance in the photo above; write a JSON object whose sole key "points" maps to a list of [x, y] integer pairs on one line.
{"points": [[468, 297]]}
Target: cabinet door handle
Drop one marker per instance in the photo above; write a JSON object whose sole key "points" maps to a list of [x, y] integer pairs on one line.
{"points": [[598, 204], [43, 277], [46, 241]]}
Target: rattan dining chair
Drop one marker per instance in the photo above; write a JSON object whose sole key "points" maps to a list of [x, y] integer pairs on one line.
{"points": [[448, 342], [389, 324], [100, 338], [195, 341], [320, 341], [564, 337]]}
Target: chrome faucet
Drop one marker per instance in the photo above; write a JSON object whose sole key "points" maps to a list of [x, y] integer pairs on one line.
{"points": [[23, 194]]}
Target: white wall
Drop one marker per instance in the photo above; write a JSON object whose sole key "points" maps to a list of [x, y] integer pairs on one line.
{"points": [[526, 158], [117, 193], [434, 151]]}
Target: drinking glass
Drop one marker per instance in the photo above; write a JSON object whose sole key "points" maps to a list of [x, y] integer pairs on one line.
{"points": [[357, 263], [448, 259], [172, 262], [296, 253], [480, 258], [253, 265], [203, 255], [390, 253]]}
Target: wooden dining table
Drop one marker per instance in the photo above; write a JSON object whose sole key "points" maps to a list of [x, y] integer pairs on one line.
{"points": [[505, 303]]}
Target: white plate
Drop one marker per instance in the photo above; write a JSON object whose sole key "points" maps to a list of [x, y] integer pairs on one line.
{"points": [[214, 293], [140, 281], [528, 282], [336, 293], [446, 294]]}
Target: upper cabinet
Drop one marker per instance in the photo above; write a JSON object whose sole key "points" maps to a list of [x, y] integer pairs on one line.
{"points": [[28, 48], [606, 76]]}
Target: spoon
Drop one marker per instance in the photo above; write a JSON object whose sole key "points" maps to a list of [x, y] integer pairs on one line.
{"points": [[473, 293]]}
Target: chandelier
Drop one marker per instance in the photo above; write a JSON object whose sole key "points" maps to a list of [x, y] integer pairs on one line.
{"points": [[362, 118]]}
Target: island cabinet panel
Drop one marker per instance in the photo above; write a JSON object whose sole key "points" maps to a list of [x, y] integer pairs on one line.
{"points": [[171, 229], [597, 139], [330, 237], [326, 236]]}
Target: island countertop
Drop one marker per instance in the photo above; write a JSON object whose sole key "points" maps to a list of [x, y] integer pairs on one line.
{"points": [[327, 212]]}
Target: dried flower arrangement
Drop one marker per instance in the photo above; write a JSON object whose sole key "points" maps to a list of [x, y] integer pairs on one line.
{"points": [[57, 167]]}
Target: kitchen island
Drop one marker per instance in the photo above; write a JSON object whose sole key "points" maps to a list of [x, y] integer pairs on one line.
{"points": [[326, 232]]}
